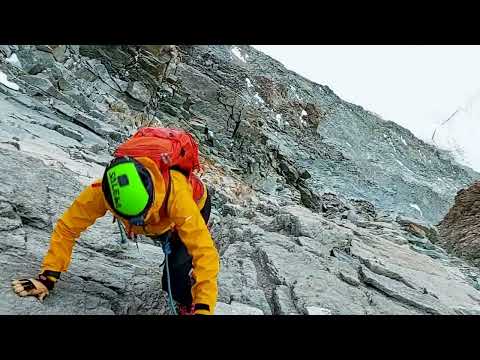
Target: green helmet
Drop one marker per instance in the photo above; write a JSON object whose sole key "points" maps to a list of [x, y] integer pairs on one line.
{"points": [[128, 189]]}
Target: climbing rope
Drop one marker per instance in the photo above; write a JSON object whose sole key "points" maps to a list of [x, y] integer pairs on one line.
{"points": [[167, 251], [123, 239]]}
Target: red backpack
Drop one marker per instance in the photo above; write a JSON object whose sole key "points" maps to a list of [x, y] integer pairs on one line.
{"points": [[169, 149]]}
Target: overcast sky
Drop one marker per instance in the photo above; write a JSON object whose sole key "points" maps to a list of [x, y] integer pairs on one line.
{"points": [[418, 87]]}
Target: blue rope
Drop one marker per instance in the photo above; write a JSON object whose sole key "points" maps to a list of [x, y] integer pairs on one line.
{"points": [[122, 235], [167, 251]]}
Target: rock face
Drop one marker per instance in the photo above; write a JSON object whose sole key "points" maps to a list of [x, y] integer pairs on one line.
{"points": [[319, 207], [460, 229]]}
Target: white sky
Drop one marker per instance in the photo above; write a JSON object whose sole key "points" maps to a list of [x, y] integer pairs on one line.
{"points": [[418, 87]]}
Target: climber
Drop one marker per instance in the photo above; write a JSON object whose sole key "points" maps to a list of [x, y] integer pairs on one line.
{"points": [[148, 199]]}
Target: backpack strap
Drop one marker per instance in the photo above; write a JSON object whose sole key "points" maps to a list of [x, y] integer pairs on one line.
{"points": [[166, 177]]}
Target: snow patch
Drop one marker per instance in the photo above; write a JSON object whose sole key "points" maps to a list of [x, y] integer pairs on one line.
{"points": [[403, 140], [295, 92], [402, 164], [278, 117], [258, 98], [237, 52], [9, 84], [393, 146], [302, 121], [13, 59], [249, 83], [315, 310], [415, 206]]}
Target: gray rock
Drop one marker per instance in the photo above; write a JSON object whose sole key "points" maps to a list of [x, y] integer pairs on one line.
{"points": [[5, 50], [230, 209], [64, 109], [45, 48], [423, 243], [403, 293], [70, 133], [352, 216], [236, 308], [238, 280], [59, 53], [64, 85], [464, 311], [75, 49], [433, 253], [36, 69], [101, 71], [283, 302], [349, 278], [122, 85], [39, 83], [139, 92]]}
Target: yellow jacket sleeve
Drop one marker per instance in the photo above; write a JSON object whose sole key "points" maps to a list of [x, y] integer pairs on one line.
{"points": [[194, 234], [83, 212]]}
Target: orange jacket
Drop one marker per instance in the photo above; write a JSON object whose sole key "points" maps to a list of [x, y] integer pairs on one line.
{"points": [[183, 216]]}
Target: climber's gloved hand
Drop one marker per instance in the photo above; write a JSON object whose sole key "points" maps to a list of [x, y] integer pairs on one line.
{"points": [[38, 287]]}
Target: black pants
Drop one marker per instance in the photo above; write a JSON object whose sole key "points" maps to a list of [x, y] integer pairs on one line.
{"points": [[180, 264]]}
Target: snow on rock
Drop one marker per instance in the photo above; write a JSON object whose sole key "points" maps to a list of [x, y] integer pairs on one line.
{"points": [[304, 113], [249, 83], [402, 164], [9, 84], [416, 207], [278, 117], [295, 92], [258, 98], [403, 140], [315, 310], [391, 144], [13, 59], [237, 52]]}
